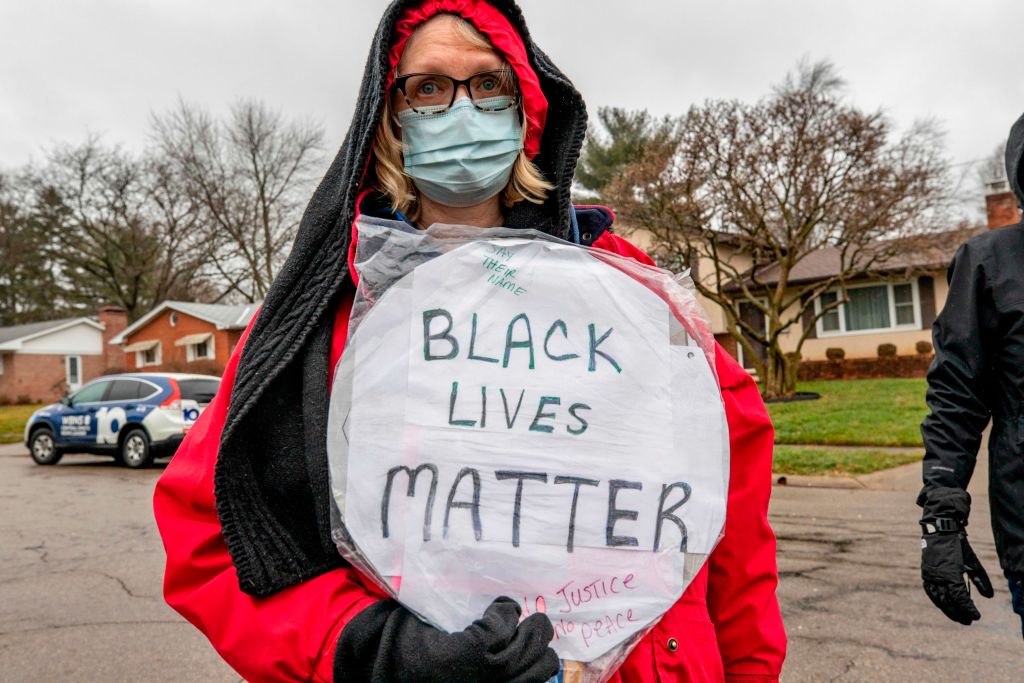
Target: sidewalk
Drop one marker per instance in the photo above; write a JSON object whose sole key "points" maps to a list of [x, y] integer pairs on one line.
{"points": [[903, 478]]}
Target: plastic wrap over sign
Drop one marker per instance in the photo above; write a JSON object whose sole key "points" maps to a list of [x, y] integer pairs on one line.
{"points": [[515, 415]]}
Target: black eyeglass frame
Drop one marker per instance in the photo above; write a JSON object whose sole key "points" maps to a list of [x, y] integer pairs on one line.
{"points": [[399, 84]]}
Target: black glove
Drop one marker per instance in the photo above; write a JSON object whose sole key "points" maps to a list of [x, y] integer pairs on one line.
{"points": [[386, 643], [1017, 595], [946, 555]]}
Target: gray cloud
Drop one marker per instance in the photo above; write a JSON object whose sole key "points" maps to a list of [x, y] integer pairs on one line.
{"points": [[104, 65]]}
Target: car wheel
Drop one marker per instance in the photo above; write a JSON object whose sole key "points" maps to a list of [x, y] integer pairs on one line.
{"points": [[135, 452], [43, 447]]}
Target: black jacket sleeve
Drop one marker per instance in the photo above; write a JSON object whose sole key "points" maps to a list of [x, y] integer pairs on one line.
{"points": [[963, 335]]}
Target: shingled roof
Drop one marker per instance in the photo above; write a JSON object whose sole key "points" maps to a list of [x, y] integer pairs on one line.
{"points": [[927, 252]]}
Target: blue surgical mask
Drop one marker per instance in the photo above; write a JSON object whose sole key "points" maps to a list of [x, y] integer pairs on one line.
{"points": [[464, 156]]}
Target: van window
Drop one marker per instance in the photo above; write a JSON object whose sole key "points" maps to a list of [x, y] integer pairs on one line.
{"points": [[91, 393], [200, 390], [128, 390]]}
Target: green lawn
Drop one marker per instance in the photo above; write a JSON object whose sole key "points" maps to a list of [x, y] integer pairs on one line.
{"points": [[866, 412], [819, 460], [12, 422]]}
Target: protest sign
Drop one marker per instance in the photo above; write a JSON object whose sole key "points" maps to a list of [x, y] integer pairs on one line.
{"points": [[518, 417]]}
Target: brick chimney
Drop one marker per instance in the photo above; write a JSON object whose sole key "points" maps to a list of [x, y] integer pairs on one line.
{"points": [[114, 319], [1001, 205]]}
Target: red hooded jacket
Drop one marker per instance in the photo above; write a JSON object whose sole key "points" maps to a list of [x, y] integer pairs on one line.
{"points": [[726, 627]]}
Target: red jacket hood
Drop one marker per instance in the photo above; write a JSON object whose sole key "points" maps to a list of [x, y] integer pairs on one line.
{"points": [[505, 38]]}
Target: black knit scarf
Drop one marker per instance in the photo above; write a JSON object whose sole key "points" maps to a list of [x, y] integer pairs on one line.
{"points": [[271, 480]]}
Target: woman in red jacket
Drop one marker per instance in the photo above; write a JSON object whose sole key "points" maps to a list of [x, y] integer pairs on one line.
{"points": [[243, 508]]}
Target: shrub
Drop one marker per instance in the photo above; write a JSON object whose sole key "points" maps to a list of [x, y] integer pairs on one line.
{"points": [[23, 400], [835, 353], [886, 350], [5, 400], [924, 348]]}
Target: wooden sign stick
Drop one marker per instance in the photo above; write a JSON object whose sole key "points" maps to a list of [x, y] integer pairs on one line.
{"points": [[572, 672]]}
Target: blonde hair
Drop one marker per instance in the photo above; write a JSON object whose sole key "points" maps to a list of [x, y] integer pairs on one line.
{"points": [[526, 182]]}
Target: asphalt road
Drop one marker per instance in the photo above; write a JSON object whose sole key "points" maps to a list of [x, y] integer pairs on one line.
{"points": [[851, 592], [80, 572], [81, 566]]}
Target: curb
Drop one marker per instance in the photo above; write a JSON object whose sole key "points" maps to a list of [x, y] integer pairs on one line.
{"points": [[806, 481]]}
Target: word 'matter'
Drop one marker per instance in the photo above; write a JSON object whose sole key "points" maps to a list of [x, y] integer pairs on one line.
{"points": [[471, 503]]}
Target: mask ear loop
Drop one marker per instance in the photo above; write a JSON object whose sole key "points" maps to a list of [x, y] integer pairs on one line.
{"points": [[574, 223]]}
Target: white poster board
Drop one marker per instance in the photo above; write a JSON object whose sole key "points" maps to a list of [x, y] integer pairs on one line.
{"points": [[517, 417]]}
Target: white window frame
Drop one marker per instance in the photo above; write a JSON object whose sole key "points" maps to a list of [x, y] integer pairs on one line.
{"points": [[890, 293], [72, 387], [140, 357], [192, 356]]}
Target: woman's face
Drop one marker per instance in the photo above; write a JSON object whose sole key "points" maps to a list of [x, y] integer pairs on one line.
{"points": [[438, 47]]}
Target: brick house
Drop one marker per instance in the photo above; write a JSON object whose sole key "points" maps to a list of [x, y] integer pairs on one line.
{"points": [[183, 336], [44, 361]]}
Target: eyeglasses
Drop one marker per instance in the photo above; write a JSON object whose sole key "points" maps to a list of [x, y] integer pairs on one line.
{"points": [[428, 93]]}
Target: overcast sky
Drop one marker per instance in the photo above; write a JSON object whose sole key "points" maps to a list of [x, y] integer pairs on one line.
{"points": [[71, 67]]}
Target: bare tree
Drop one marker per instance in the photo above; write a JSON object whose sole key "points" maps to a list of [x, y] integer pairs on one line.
{"points": [[120, 229], [176, 222], [755, 189], [251, 177]]}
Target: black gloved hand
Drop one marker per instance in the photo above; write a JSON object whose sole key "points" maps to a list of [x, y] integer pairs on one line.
{"points": [[946, 556], [1017, 595], [387, 643]]}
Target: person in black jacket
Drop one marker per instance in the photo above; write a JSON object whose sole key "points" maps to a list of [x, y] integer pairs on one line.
{"points": [[977, 376]]}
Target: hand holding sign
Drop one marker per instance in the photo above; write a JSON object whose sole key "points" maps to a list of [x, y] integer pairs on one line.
{"points": [[495, 647], [528, 418]]}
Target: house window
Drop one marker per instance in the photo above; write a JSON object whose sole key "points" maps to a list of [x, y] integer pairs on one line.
{"points": [[197, 346], [202, 351], [1, 363], [150, 356], [867, 308], [73, 372], [903, 302], [870, 308], [146, 352], [829, 321]]}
